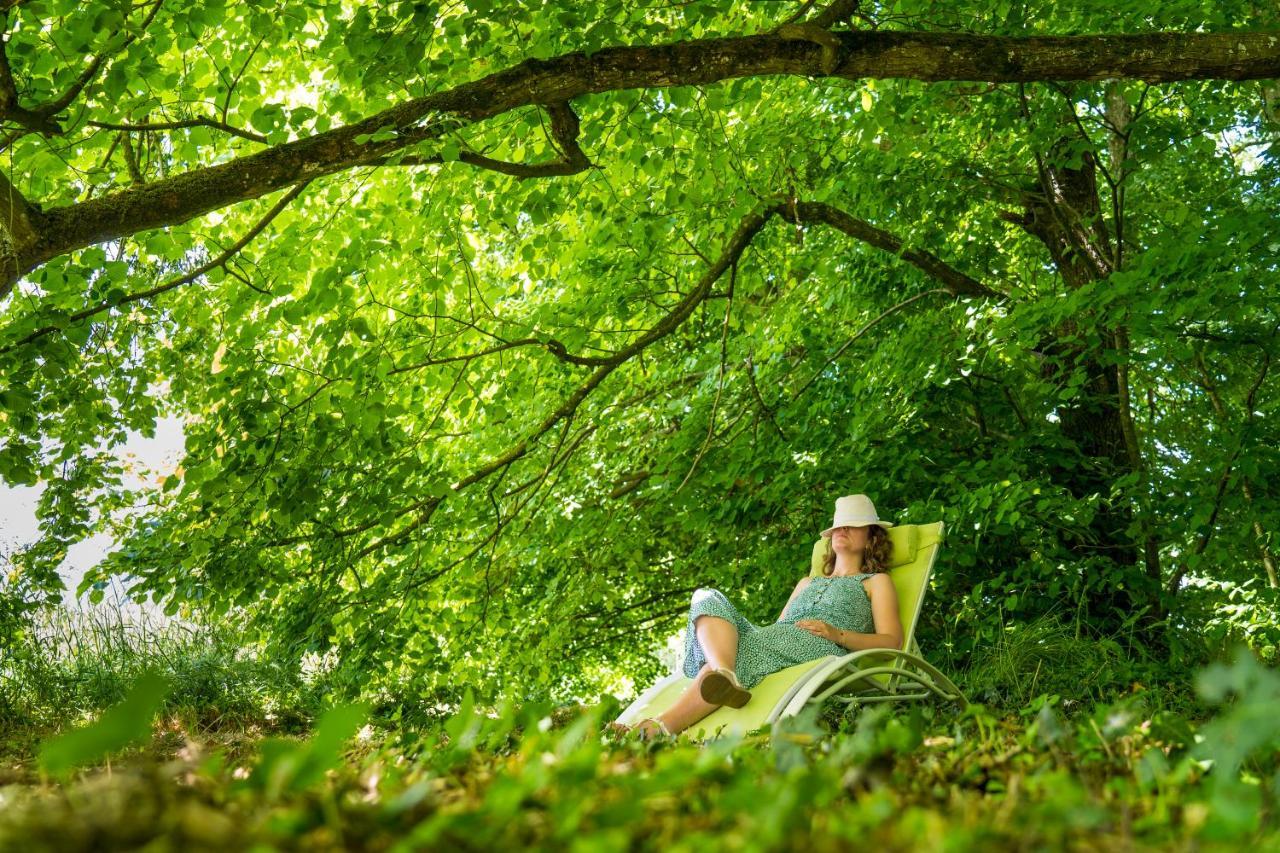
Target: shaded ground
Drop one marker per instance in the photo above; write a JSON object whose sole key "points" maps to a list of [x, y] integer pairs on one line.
{"points": [[1115, 778]]}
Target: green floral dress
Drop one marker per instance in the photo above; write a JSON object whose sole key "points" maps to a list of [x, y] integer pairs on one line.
{"points": [[839, 600]]}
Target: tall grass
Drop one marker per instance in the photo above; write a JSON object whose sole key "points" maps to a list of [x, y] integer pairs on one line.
{"points": [[1046, 656], [72, 663]]}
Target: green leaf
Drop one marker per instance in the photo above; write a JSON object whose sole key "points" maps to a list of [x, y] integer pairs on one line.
{"points": [[289, 766], [124, 724]]}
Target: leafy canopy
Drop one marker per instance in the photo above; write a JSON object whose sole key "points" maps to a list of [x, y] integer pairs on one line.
{"points": [[483, 400]]}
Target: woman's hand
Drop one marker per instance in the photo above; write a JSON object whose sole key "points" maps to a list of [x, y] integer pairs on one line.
{"points": [[818, 628]]}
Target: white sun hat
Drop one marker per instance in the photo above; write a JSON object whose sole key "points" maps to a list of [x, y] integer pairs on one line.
{"points": [[855, 511]]}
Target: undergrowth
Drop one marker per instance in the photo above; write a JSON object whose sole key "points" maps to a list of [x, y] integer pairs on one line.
{"points": [[70, 664], [1118, 776], [207, 746]]}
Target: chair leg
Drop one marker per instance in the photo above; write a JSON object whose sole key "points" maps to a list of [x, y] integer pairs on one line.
{"points": [[832, 685]]}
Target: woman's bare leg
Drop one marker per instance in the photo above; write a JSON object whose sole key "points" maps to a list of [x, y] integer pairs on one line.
{"points": [[688, 708], [719, 639]]}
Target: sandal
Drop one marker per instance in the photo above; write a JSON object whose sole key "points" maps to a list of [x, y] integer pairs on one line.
{"points": [[662, 727], [623, 728], [721, 687]]}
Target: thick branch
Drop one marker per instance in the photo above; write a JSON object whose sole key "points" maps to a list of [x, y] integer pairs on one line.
{"points": [[954, 280], [1154, 57]]}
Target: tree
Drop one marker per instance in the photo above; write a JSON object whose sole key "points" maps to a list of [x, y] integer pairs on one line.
{"points": [[439, 293]]}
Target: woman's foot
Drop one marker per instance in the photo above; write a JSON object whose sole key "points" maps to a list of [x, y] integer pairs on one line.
{"points": [[651, 728], [721, 687], [647, 729]]}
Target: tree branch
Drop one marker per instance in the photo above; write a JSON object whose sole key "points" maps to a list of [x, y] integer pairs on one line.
{"points": [[738, 242], [930, 57], [94, 67], [41, 118], [10, 108], [1175, 581], [179, 124], [955, 281], [220, 260], [887, 312], [552, 345], [564, 132], [715, 403], [836, 12]]}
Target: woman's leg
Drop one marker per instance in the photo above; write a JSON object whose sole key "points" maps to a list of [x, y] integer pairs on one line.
{"points": [[689, 707], [719, 639]]}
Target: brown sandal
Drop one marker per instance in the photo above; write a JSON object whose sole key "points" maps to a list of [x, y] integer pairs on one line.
{"points": [[721, 687], [624, 729]]}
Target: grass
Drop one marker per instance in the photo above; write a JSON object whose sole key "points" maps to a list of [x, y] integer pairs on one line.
{"points": [[74, 663], [1069, 753], [1046, 657]]}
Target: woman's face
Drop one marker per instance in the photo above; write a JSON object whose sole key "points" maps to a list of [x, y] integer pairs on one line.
{"points": [[852, 539]]}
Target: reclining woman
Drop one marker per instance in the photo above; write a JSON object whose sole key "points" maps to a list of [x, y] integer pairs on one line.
{"points": [[853, 606]]}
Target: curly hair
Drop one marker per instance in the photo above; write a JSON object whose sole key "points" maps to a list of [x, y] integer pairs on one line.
{"points": [[875, 559]]}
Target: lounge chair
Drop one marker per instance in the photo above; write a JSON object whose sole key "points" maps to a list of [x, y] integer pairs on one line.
{"points": [[852, 680]]}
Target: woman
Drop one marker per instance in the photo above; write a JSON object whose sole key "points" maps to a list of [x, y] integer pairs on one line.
{"points": [[853, 606]]}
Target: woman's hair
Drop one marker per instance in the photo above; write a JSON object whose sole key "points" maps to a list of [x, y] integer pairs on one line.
{"points": [[875, 558]]}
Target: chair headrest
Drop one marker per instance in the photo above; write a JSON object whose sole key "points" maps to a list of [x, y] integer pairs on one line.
{"points": [[904, 540]]}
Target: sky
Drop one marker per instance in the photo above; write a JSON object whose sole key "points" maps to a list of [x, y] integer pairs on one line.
{"points": [[147, 458]]}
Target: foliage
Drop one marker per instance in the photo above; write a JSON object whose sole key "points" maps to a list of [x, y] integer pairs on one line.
{"points": [[461, 429], [1247, 612], [1117, 775], [121, 725], [1244, 737]]}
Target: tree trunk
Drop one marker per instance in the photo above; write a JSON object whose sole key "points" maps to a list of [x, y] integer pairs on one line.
{"points": [[1065, 215]]}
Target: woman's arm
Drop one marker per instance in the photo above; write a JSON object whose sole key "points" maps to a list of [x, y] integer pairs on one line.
{"points": [[884, 612], [801, 585], [888, 625]]}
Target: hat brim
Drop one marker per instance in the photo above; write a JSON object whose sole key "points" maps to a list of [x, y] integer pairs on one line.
{"points": [[885, 524]]}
